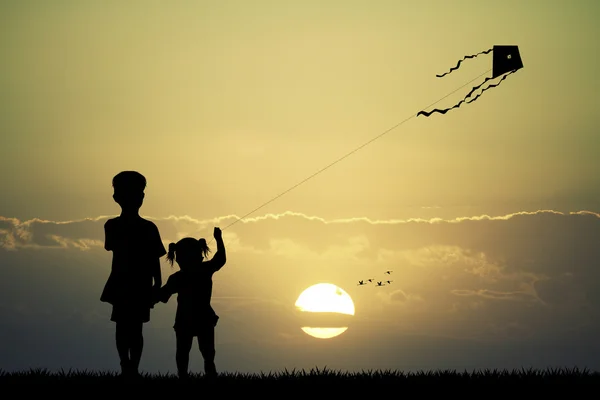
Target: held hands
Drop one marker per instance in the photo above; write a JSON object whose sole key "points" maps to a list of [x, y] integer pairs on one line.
{"points": [[217, 233], [155, 296]]}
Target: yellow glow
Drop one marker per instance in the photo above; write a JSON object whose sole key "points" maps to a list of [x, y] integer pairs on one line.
{"points": [[324, 333], [325, 297]]}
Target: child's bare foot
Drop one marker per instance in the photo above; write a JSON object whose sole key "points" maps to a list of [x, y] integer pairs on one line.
{"points": [[125, 368], [183, 375], [210, 370]]}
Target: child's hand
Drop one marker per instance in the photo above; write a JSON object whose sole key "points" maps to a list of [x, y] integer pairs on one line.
{"points": [[217, 233], [155, 295]]}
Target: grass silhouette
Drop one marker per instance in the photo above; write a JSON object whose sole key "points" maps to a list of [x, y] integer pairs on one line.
{"points": [[302, 379]]}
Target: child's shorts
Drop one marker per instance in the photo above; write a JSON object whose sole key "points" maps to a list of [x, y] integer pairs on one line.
{"points": [[130, 313]]}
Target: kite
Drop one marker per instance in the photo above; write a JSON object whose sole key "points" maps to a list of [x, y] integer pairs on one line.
{"points": [[506, 60]]}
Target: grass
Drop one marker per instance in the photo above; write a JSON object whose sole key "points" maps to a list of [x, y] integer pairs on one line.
{"points": [[306, 380]]}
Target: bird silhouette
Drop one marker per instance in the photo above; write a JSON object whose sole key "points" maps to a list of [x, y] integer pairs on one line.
{"points": [[370, 280], [388, 272], [360, 283], [380, 284], [389, 281]]}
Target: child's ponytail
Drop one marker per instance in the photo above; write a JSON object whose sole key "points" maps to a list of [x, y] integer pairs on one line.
{"points": [[171, 253], [203, 247]]}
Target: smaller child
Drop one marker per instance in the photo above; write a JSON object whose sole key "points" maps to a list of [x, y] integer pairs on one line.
{"points": [[195, 316]]}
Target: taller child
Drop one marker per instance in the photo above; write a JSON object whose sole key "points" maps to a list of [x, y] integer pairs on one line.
{"points": [[135, 274]]}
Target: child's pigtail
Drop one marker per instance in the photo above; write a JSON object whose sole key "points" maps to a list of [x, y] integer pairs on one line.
{"points": [[171, 253], [203, 247]]}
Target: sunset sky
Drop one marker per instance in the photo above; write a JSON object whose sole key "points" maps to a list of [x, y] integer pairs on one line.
{"points": [[488, 215]]}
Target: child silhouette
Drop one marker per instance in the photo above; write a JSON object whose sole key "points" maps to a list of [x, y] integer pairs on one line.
{"points": [[193, 284], [137, 247]]}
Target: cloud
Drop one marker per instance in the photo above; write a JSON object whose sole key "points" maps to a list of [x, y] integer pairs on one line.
{"points": [[401, 296], [38, 232], [496, 295]]}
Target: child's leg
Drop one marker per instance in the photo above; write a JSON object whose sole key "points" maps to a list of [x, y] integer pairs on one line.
{"points": [[122, 339], [136, 344], [182, 353], [206, 343]]}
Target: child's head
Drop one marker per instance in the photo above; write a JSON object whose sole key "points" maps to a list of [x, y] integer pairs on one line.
{"points": [[188, 252], [129, 189]]}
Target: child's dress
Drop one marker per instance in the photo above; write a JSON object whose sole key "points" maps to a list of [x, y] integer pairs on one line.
{"points": [[194, 290]]}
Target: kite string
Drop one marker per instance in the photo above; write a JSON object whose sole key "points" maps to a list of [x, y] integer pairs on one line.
{"points": [[352, 152]]}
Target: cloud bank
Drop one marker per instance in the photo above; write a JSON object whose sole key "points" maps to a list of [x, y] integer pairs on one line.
{"points": [[479, 291]]}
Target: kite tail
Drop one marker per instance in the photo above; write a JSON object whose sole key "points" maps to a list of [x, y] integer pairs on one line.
{"points": [[489, 87], [464, 100], [464, 58], [478, 86]]}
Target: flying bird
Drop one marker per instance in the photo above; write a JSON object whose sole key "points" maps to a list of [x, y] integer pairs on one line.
{"points": [[380, 284], [370, 280], [388, 272], [360, 283], [389, 281], [505, 61]]}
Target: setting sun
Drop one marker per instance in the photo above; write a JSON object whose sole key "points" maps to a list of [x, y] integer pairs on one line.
{"points": [[324, 333], [325, 298]]}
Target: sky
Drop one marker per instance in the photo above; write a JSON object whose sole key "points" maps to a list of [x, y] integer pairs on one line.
{"points": [[488, 216]]}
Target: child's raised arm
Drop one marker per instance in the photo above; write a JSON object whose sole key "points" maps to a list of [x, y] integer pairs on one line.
{"points": [[220, 257]]}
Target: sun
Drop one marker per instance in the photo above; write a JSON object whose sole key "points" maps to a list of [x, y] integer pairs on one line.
{"points": [[324, 333], [325, 298]]}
